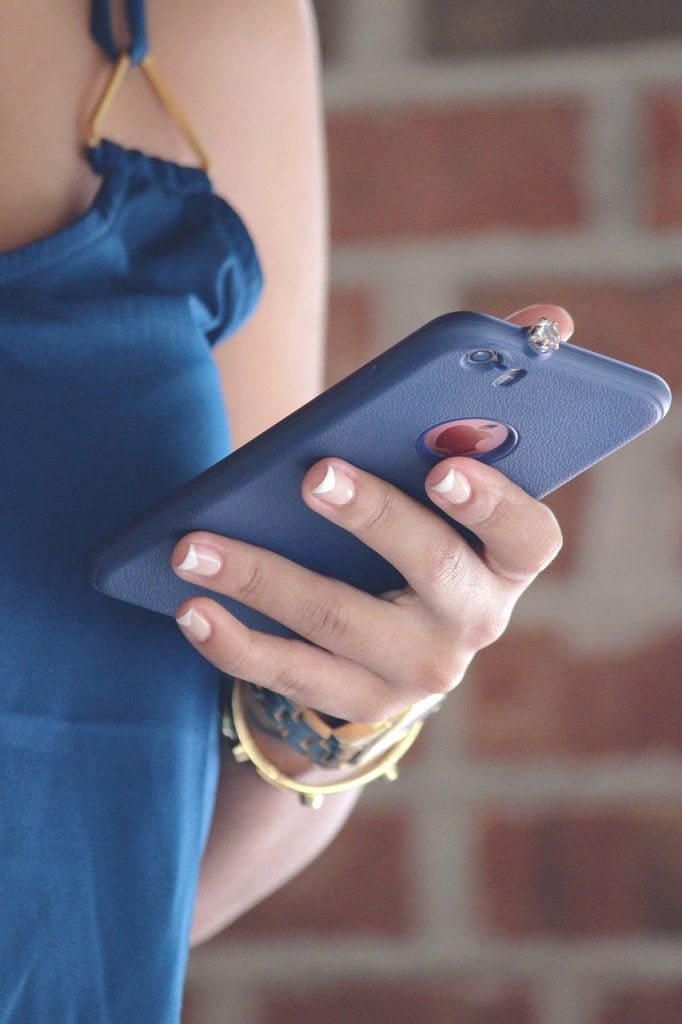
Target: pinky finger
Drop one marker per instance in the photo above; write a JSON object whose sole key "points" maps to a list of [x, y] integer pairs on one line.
{"points": [[298, 670]]}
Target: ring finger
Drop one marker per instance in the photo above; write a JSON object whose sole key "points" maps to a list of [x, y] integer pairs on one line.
{"points": [[329, 613]]}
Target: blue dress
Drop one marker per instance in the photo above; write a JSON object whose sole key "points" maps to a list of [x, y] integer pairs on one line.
{"points": [[108, 717]]}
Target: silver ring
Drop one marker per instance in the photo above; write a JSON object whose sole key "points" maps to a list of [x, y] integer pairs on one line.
{"points": [[544, 336]]}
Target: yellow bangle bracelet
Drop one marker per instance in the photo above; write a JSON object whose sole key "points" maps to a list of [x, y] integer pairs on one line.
{"points": [[246, 749]]}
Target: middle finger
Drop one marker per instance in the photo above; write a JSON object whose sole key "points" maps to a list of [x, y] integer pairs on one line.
{"points": [[428, 552]]}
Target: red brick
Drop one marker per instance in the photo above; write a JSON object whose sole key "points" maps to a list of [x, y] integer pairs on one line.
{"points": [[432, 1001], [638, 322], [644, 1005], [361, 885], [352, 332], [664, 173], [581, 873], [439, 170], [534, 698]]}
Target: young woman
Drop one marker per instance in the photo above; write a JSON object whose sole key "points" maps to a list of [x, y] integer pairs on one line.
{"points": [[122, 828]]}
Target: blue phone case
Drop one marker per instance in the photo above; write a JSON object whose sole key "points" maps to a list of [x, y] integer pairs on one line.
{"points": [[566, 409]]}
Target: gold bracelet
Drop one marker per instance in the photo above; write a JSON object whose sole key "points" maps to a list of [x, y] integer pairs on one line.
{"points": [[246, 749]]}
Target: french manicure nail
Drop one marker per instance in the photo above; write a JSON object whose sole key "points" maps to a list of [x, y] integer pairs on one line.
{"points": [[454, 487], [195, 625], [201, 561], [336, 488]]}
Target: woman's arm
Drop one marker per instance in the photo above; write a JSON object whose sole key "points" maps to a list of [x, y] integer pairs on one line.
{"points": [[269, 162], [259, 839], [247, 77], [264, 128], [257, 105]]}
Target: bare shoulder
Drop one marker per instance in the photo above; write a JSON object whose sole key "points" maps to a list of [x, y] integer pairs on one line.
{"points": [[223, 58], [248, 76], [226, 61], [237, 68]]}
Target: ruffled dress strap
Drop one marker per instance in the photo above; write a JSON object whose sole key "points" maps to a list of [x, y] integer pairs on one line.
{"points": [[138, 54], [102, 31]]}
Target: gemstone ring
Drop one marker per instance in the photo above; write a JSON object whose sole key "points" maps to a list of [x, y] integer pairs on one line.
{"points": [[544, 336]]}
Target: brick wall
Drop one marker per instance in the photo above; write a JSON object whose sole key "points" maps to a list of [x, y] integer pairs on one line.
{"points": [[527, 867]]}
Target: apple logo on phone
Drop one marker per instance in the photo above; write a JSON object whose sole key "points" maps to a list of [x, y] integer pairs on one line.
{"points": [[484, 439]]}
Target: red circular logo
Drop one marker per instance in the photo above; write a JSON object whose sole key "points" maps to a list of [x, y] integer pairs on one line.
{"points": [[476, 438]]}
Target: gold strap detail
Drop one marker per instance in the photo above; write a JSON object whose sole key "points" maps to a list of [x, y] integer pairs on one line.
{"points": [[312, 795], [164, 95]]}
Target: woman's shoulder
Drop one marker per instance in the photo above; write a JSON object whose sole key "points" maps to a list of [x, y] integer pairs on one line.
{"points": [[222, 58], [229, 61]]}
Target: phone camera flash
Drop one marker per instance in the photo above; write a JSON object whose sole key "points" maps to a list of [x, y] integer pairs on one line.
{"points": [[510, 377]]}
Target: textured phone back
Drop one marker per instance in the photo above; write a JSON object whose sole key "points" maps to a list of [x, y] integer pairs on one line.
{"points": [[570, 409]]}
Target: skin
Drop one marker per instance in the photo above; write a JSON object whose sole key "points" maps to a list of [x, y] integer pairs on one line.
{"points": [[256, 105]]}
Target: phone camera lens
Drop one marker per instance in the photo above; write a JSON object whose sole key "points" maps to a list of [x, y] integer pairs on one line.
{"points": [[480, 356]]}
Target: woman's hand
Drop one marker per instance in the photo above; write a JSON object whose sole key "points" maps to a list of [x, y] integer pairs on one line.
{"points": [[368, 657]]}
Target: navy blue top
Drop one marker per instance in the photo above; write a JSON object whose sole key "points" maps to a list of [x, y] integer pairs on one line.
{"points": [[108, 717]]}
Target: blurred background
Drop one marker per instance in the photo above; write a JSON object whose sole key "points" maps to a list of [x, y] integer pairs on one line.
{"points": [[527, 867]]}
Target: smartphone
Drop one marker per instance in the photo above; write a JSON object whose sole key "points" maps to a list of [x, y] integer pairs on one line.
{"points": [[464, 384]]}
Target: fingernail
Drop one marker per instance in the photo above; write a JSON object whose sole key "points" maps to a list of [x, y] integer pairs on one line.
{"points": [[201, 561], [336, 488], [454, 487], [195, 625]]}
